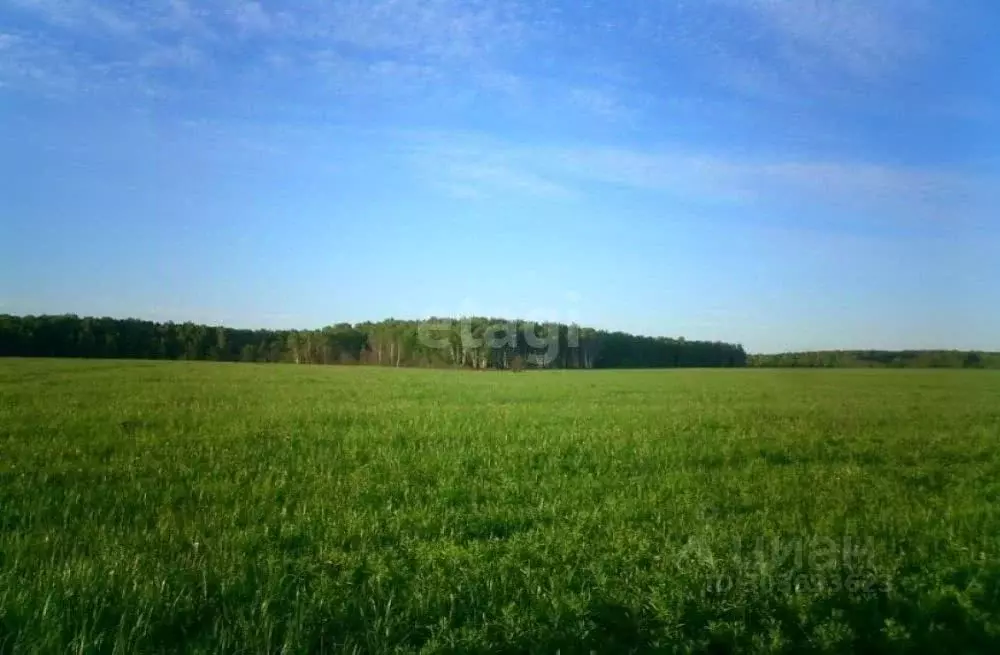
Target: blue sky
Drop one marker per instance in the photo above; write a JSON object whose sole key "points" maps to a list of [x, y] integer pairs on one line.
{"points": [[786, 174]]}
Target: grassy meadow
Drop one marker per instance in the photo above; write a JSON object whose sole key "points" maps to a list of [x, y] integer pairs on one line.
{"points": [[242, 508]]}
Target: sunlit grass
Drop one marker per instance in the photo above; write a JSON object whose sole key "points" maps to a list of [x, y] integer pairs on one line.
{"points": [[197, 507]]}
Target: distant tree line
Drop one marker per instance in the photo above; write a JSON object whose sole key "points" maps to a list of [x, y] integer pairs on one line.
{"points": [[475, 342], [879, 359]]}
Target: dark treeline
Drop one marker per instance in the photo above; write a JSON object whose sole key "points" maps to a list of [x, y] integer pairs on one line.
{"points": [[476, 342], [879, 359]]}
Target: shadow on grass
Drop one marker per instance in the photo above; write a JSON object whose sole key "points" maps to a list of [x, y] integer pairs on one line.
{"points": [[957, 616]]}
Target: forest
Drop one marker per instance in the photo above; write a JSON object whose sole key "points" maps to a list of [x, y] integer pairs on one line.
{"points": [[878, 359], [475, 342], [472, 342]]}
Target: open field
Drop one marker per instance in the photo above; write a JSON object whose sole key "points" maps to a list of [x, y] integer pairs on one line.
{"points": [[187, 506]]}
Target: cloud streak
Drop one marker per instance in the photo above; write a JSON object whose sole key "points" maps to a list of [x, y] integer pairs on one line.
{"points": [[793, 51], [862, 38], [501, 49], [854, 190], [501, 53], [375, 48], [79, 16]]}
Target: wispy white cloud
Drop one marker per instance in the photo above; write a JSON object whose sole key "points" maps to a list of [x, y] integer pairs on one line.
{"points": [[94, 47], [520, 58], [795, 50], [489, 179], [80, 15], [35, 64], [467, 169], [862, 37], [389, 48], [436, 28], [854, 190]]}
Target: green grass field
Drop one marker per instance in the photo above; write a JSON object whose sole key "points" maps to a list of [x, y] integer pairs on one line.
{"points": [[198, 507]]}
